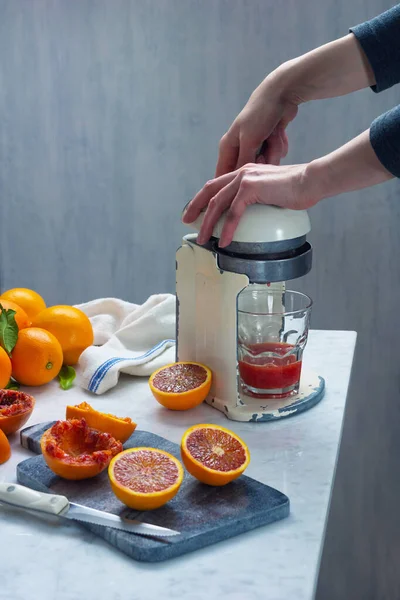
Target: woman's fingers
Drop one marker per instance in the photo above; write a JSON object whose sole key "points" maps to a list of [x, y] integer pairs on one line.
{"points": [[203, 197], [247, 153], [275, 148], [234, 214], [285, 141], [220, 202], [227, 155]]}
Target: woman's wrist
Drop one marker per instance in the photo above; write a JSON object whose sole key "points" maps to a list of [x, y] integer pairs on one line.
{"points": [[352, 167], [334, 69]]}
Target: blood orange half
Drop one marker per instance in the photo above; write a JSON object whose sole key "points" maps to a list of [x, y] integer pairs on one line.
{"points": [[214, 455], [145, 478], [121, 428], [73, 450], [5, 449], [15, 409], [182, 385]]}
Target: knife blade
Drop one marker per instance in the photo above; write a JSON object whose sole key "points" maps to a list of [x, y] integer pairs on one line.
{"points": [[22, 497]]}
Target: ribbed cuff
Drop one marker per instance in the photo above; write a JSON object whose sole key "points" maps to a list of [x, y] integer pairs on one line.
{"points": [[380, 39], [375, 53], [385, 140]]}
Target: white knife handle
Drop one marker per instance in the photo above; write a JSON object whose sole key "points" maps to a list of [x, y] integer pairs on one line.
{"points": [[19, 495]]}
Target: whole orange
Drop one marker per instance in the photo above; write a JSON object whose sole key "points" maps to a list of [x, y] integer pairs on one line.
{"points": [[5, 368], [37, 357], [28, 300], [21, 318], [71, 327]]}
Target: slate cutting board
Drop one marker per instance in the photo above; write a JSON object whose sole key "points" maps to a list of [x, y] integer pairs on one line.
{"points": [[204, 515]]}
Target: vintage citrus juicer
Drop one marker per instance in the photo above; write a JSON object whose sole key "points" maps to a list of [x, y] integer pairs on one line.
{"points": [[269, 248]]}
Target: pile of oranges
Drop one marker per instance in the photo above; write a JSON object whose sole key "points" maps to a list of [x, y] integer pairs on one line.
{"points": [[43, 338]]}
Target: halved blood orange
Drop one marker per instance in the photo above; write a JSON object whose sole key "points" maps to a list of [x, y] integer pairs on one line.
{"points": [[214, 455], [5, 449], [73, 450], [121, 428], [15, 409], [145, 478], [181, 385]]}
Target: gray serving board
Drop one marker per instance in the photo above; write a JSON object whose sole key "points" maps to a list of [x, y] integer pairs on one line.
{"points": [[204, 515]]}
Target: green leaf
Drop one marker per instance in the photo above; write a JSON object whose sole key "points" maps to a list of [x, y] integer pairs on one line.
{"points": [[8, 329], [66, 377], [12, 385]]}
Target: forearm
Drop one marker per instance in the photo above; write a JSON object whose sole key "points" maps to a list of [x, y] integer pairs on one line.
{"points": [[354, 166], [335, 69]]}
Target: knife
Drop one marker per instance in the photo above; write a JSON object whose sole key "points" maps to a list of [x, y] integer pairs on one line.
{"points": [[28, 499]]}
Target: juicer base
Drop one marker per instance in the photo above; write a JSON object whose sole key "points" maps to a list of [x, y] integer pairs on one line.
{"points": [[247, 409]]}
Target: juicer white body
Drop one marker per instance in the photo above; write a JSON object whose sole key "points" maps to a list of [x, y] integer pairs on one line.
{"points": [[206, 317], [207, 314]]}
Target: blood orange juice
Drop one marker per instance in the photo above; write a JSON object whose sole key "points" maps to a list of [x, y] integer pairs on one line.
{"points": [[270, 369], [271, 336]]}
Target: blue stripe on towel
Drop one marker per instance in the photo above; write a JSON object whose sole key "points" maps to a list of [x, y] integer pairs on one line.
{"points": [[103, 369]]}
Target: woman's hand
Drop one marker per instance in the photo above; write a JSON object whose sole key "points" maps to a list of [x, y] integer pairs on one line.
{"points": [[354, 166], [285, 186], [334, 69], [262, 121]]}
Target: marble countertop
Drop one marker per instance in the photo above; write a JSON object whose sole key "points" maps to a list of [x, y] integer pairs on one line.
{"points": [[44, 558]]}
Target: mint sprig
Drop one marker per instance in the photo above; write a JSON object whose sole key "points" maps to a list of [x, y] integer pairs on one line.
{"points": [[12, 385], [8, 329], [66, 377]]}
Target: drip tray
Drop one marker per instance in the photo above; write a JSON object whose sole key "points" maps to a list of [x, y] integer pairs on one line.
{"points": [[312, 389]]}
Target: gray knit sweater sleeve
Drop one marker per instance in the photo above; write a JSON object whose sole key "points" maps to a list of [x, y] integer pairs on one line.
{"points": [[380, 40]]}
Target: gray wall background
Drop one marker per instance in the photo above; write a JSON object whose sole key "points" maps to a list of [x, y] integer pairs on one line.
{"points": [[110, 115]]}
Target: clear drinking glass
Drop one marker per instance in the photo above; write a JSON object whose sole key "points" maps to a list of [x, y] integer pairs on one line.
{"points": [[272, 334]]}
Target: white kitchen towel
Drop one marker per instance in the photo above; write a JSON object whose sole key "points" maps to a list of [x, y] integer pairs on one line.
{"points": [[128, 338]]}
